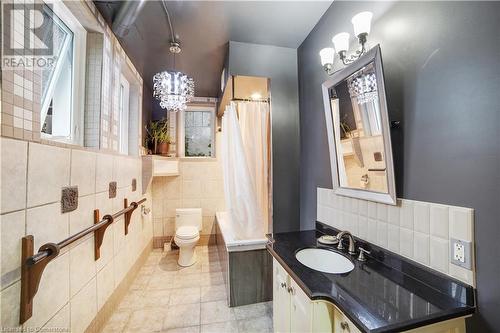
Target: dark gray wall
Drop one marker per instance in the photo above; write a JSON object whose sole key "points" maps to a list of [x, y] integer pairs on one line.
{"points": [[442, 71], [280, 65]]}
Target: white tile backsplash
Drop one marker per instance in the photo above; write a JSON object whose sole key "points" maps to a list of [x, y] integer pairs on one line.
{"points": [[393, 238], [439, 254], [406, 214], [421, 219], [421, 247], [406, 242], [417, 230], [439, 217], [460, 223]]}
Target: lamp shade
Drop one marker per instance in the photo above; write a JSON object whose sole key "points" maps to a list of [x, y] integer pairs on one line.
{"points": [[341, 41], [362, 22], [327, 54]]}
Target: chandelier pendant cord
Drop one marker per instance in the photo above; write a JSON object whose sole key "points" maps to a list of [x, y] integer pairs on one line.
{"points": [[172, 33], [172, 89]]}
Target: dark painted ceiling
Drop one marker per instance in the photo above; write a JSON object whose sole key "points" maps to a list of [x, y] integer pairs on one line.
{"points": [[204, 29]]}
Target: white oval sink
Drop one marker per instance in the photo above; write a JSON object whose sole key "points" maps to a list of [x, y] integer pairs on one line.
{"points": [[324, 261]]}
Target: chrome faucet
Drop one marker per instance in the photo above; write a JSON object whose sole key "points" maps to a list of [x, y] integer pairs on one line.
{"points": [[352, 242]]}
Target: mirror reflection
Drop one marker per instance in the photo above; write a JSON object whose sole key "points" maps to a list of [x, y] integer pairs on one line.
{"points": [[358, 131]]}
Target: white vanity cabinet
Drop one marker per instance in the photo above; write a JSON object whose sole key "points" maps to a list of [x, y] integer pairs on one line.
{"points": [[294, 312]]}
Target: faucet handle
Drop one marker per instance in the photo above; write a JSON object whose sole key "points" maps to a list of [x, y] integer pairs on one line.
{"points": [[362, 252]]}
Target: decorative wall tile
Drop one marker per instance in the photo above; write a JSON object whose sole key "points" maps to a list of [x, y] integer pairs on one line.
{"points": [[112, 190], [69, 199]]}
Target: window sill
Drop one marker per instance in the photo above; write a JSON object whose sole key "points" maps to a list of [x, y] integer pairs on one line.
{"points": [[198, 159]]}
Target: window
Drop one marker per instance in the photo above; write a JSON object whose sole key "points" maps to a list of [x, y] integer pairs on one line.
{"points": [[61, 115], [197, 132], [124, 101]]}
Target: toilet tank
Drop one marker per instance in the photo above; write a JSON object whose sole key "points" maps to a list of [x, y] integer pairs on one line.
{"points": [[185, 217]]}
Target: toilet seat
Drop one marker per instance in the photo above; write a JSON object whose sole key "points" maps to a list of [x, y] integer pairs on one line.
{"points": [[187, 232]]}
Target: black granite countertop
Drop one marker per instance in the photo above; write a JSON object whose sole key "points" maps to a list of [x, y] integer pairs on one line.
{"points": [[387, 293]]}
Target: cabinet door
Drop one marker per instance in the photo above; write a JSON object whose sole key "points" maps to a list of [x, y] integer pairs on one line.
{"points": [[281, 299], [342, 324], [301, 310]]}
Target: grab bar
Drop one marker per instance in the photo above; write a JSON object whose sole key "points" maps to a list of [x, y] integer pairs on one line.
{"points": [[34, 264]]}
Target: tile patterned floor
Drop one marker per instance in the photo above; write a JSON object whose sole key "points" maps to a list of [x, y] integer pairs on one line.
{"points": [[168, 298]]}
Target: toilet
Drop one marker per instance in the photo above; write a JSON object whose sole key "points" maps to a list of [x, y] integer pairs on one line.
{"points": [[187, 233]]}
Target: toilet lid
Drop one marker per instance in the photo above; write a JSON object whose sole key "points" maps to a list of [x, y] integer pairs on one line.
{"points": [[187, 232]]}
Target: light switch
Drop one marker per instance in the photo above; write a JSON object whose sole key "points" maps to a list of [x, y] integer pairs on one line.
{"points": [[460, 253]]}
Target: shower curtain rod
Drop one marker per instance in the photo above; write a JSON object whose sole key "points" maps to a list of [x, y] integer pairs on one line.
{"points": [[250, 100]]}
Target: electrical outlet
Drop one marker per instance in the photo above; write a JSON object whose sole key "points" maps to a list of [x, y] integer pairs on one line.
{"points": [[460, 253]]}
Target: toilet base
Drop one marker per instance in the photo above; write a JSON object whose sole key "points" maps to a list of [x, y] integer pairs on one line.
{"points": [[187, 257]]}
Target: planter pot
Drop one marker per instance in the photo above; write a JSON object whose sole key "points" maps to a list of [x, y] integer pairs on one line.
{"points": [[162, 148]]}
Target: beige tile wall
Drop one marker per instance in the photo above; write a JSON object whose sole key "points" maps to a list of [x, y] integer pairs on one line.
{"points": [[420, 231], [199, 185], [74, 286], [21, 88]]}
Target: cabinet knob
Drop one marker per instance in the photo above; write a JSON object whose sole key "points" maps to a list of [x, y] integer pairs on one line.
{"points": [[290, 290], [283, 285], [344, 325]]}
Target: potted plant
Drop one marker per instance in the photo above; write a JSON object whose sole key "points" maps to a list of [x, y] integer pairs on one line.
{"points": [[163, 143], [159, 136]]}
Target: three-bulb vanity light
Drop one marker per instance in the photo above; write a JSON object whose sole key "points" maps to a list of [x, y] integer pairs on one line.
{"points": [[361, 23]]}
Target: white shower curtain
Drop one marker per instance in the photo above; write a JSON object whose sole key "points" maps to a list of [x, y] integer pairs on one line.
{"points": [[245, 166]]}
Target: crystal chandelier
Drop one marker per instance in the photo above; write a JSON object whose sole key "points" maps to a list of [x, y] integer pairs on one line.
{"points": [[173, 89]]}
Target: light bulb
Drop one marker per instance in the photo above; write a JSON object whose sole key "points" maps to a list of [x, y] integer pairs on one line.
{"points": [[327, 55], [362, 22], [341, 41], [256, 96]]}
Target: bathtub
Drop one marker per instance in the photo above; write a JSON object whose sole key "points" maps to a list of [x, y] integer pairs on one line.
{"points": [[246, 264]]}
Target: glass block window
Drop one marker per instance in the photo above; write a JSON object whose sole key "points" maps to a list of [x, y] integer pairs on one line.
{"points": [[199, 133]]}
